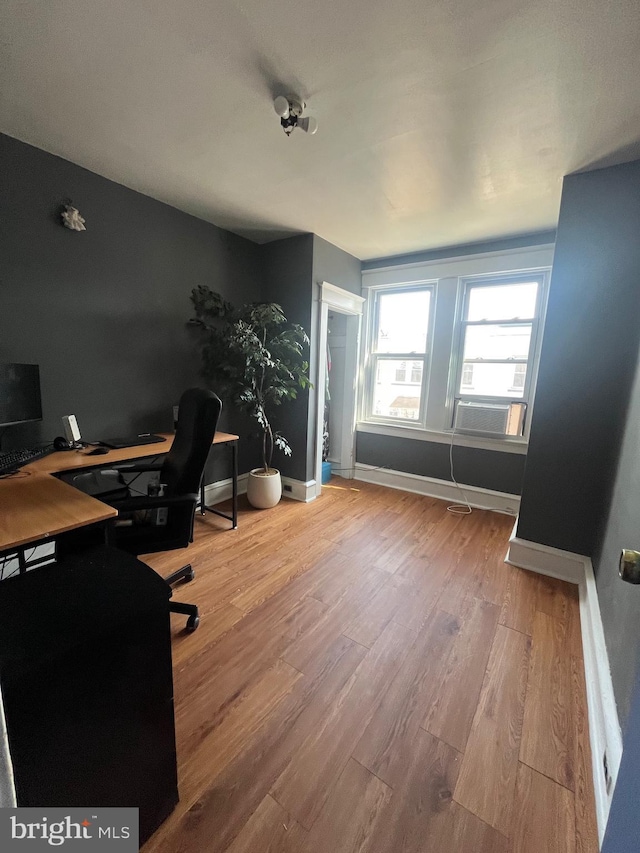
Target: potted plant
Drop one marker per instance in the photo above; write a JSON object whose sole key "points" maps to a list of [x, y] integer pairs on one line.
{"points": [[256, 358]]}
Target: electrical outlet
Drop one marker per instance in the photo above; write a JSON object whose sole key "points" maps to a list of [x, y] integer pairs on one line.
{"points": [[287, 488], [607, 775]]}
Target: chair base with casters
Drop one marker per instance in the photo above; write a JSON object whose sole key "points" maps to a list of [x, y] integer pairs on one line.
{"points": [[111, 488], [71, 544], [184, 574], [176, 533]]}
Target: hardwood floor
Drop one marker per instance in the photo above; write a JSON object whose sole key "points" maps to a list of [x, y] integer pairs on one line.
{"points": [[369, 676]]}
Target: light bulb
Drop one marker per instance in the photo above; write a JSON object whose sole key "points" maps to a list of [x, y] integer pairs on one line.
{"points": [[309, 125], [281, 106]]}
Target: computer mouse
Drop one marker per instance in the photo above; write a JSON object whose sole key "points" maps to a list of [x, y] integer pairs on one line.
{"points": [[97, 451]]}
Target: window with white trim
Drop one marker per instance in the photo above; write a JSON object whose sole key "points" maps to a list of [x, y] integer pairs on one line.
{"points": [[398, 358], [497, 333], [457, 329]]}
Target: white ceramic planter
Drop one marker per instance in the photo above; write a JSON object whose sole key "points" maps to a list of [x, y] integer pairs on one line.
{"points": [[264, 490]]}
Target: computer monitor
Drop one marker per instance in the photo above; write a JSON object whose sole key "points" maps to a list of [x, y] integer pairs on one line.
{"points": [[19, 394]]}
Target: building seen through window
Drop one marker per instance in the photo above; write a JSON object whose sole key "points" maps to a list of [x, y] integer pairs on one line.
{"points": [[496, 339], [403, 319], [434, 342]]}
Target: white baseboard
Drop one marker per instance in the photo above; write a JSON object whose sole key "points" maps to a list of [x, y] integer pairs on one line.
{"points": [[221, 490], [604, 726], [299, 490], [7, 785], [433, 488], [544, 559]]}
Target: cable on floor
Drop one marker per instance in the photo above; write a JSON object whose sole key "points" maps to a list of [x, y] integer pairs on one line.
{"points": [[457, 509]]}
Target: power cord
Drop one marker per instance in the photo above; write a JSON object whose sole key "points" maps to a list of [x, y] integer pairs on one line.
{"points": [[139, 474], [457, 509], [9, 559]]}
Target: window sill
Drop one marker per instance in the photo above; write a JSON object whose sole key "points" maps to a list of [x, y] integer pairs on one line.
{"points": [[504, 445]]}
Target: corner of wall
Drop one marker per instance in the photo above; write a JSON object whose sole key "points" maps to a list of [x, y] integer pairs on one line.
{"points": [[605, 736]]}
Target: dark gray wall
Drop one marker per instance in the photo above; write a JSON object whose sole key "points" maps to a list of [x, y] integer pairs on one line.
{"points": [[487, 469], [291, 268], [103, 312], [620, 603], [588, 361], [336, 266], [287, 267], [540, 238]]}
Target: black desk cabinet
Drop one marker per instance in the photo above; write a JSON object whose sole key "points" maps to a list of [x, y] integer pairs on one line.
{"points": [[85, 667]]}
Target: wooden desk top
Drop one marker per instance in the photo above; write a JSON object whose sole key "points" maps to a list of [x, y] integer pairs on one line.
{"points": [[72, 460], [35, 505]]}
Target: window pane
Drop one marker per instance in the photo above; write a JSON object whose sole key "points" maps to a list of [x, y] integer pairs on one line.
{"points": [[519, 375], [416, 371], [393, 399], [403, 321], [497, 341], [503, 301], [492, 380]]}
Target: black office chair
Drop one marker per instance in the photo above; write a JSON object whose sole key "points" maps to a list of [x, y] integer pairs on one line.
{"points": [[180, 472]]}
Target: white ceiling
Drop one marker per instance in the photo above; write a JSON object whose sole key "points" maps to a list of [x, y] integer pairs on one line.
{"points": [[440, 122]]}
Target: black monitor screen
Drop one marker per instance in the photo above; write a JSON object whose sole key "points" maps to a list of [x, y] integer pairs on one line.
{"points": [[19, 393]]}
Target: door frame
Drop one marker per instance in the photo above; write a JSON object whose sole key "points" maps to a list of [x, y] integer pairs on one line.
{"points": [[340, 301]]}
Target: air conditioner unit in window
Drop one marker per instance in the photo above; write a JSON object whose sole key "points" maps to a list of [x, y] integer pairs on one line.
{"points": [[489, 418]]}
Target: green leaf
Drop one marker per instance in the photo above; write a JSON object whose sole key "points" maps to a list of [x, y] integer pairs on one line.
{"points": [[251, 355]]}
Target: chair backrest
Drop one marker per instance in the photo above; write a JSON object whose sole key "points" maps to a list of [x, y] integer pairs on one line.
{"points": [[198, 415]]}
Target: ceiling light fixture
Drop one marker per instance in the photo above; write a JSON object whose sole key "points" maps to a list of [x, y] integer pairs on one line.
{"points": [[290, 111]]}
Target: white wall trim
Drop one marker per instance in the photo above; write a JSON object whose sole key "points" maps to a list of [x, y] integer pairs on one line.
{"points": [[221, 490], [544, 559], [482, 263], [340, 299], [504, 445], [604, 726], [7, 786], [300, 491], [434, 488], [334, 298]]}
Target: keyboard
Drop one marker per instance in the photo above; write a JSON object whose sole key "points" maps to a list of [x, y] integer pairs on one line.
{"points": [[13, 460]]}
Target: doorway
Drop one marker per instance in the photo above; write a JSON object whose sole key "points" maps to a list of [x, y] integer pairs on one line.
{"points": [[338, 343]]}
